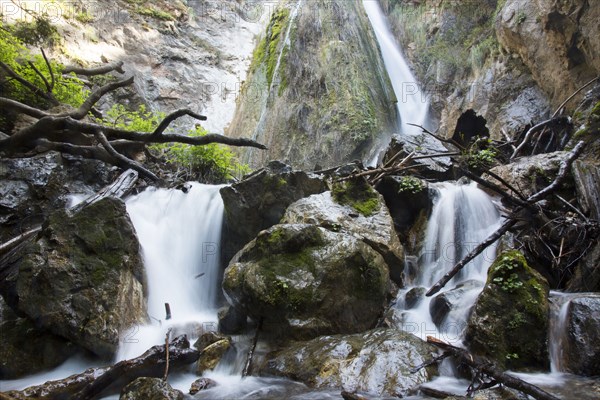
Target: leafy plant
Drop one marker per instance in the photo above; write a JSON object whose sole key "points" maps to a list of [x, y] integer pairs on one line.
{"points": [[482, 160], [410, 184]]}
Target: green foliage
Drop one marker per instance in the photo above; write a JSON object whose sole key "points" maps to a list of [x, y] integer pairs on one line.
{"points": [[410, 184], [154, 12], [13, 53], [482, 160], [37, 32], [212, 162], [506, 273], [140, 120], [267, 49]]}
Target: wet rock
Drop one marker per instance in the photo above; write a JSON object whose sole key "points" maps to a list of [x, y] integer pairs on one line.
{"points": [[413, 297], [439, 168], [409, 201], [83, 279], [378, 362], [529, 174], [306, 281], [211, 355], [375, 229], [583, 336], [509, 322], [232, 320], [208, 338], [259, 201], [327, 100], [450, 300], [586, 276], [150, 388], [31, 188], [499, 393], [202, 384], [25, 350]]}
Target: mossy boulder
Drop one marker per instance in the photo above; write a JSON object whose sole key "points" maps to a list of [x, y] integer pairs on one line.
{"points": [[83, 278], [375, 229], [509, 322], [306, 281], [260, 200], [211, 355], [378, 362], [25, 350], [150, 388]]}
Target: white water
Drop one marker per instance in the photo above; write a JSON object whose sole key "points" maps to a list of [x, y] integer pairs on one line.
{"points": [[180, 235], [462, 217], [413, 103]]}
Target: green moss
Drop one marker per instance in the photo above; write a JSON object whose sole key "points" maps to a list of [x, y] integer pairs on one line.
{"points": [[267, 51], [154, 13], [410, 184], [358, 194]]}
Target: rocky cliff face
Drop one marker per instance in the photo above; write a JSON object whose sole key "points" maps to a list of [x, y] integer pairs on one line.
{"points": [[511, 61], [182, 54], [318, 93]]}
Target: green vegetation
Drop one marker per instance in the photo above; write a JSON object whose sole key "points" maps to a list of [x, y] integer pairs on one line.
{"points": [[482, 160], [410, 184], [267, 50], [15, 54], [154, 12], [358, 194], [212, 162]]}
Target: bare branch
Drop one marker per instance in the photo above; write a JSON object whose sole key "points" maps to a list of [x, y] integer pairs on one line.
{"points": [[440, 138], [104, 69], [23, 108], [49, 66], [38, 73], [536, 129], [564, 103], [173, 116], [36, 90], [122, 159], [95, 96]]}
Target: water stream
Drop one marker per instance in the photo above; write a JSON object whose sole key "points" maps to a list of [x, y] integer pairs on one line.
{"points": [[413, 103]]}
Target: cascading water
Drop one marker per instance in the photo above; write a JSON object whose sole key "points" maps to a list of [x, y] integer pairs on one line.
{"points": [[413, 104], [180, 235], [462, 217]]}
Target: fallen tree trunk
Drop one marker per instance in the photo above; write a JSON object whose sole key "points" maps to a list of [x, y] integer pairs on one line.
{"points": [[490, 369], [93, 381], [119, 188]]}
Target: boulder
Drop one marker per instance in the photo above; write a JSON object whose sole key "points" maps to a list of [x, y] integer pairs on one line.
{"points": [[31, 188], [583, 336], [454, 299], [587, 182], [211, 355], [375, 229], [232, 320], [439, 168], [586, 276], [509, 322], [378, 362], [306, 281], [83, 278], [202, 384], [208, 338], [260, 200], [150, 388], [529, 174], [409, 201], [25, 350]]}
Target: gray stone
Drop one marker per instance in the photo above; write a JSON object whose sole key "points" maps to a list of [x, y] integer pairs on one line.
{"points": [[83, 279], [150, 388], [379, 362], [583, 336], [376, 229], [306, 281], [260, 200]]}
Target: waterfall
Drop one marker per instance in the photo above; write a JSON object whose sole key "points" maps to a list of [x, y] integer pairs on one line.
{"points": [[413, 104], [462, 217], [179, 234]]}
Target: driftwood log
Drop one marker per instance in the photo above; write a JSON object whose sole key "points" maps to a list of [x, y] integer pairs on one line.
{"points": [[94, 381]]}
